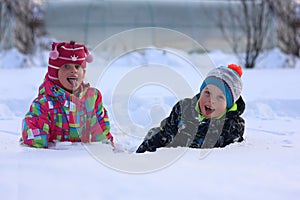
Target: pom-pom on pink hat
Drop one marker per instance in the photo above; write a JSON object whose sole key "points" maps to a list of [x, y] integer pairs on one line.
{"points": [[66, 53]]}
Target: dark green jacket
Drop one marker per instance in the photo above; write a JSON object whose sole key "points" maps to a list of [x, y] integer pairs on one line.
{"points": [[185, 127]]}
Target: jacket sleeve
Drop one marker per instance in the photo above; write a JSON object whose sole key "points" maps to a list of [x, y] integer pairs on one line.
{"points": [[233, 131], [167, 131], [35, 127], [101, 128], [219, 133]]}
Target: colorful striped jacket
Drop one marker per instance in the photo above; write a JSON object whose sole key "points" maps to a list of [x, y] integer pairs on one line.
{"points": [[59, 115]]}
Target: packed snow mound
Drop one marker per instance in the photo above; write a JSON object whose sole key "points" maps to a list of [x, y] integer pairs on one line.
{"points": [[274, 108], [11, 59], [264, 166], [5, 112]]}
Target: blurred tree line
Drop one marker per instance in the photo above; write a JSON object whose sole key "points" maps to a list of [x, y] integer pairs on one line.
{"points": [[287, 14], [22, 23], [253, 19]]}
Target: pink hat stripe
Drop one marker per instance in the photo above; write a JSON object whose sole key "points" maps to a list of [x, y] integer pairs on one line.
{"points": [[51, 77], [54, 67], [72, 58], [72, 49]]}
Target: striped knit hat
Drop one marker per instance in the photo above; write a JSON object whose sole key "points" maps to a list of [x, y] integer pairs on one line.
{"points": [[228, 80], [66, 53]]}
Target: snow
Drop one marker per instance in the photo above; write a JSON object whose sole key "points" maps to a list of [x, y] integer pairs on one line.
{"points": [[265, 166]]}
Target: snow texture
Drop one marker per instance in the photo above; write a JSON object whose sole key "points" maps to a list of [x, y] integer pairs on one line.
{"points": [[265, 166]]}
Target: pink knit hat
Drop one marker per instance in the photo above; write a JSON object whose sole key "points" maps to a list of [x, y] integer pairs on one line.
{"points": [[66, 53]]}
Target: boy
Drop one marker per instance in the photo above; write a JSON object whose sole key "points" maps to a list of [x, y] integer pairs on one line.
{"points": [[210, 119], [66, 109]]}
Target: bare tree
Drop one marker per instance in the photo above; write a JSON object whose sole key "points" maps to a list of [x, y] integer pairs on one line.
{"points": [[245, 25], [5, 26], [288, 25], [28, 23]]}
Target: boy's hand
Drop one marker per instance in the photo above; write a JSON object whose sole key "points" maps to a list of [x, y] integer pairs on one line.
{"points": [[143, 147], [146, 146], [156, 141]]}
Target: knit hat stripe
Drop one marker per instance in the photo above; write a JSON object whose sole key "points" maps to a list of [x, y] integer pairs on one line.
{"points": [[54, 67], [72, 49], [72, 58], [237, 76], [53, 78]]}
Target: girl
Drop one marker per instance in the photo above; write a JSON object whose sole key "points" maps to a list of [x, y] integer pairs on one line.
{"points": [[66, 109]]}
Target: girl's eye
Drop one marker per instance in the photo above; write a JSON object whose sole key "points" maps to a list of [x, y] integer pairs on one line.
{"points": [[207, 92], [77, 66], [66, 66]]}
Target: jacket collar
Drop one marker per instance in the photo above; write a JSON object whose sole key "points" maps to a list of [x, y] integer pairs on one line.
{"points": [[53, 90]]}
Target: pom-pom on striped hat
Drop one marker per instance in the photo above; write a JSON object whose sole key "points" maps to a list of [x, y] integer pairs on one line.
{"points": [[228, 80], [66, 53]]}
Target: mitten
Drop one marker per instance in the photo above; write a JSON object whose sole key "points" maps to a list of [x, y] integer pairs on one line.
{"points": [[146, 146]]}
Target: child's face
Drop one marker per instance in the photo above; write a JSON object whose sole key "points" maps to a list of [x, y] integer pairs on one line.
{"points": [[71, 76], [212, 101]]}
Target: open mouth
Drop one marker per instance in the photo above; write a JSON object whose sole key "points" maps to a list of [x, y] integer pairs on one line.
{"points": [[73, 81], [209, 110]]}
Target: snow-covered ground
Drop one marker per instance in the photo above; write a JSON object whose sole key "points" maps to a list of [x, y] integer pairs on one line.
{"points": [[265, 166]]}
